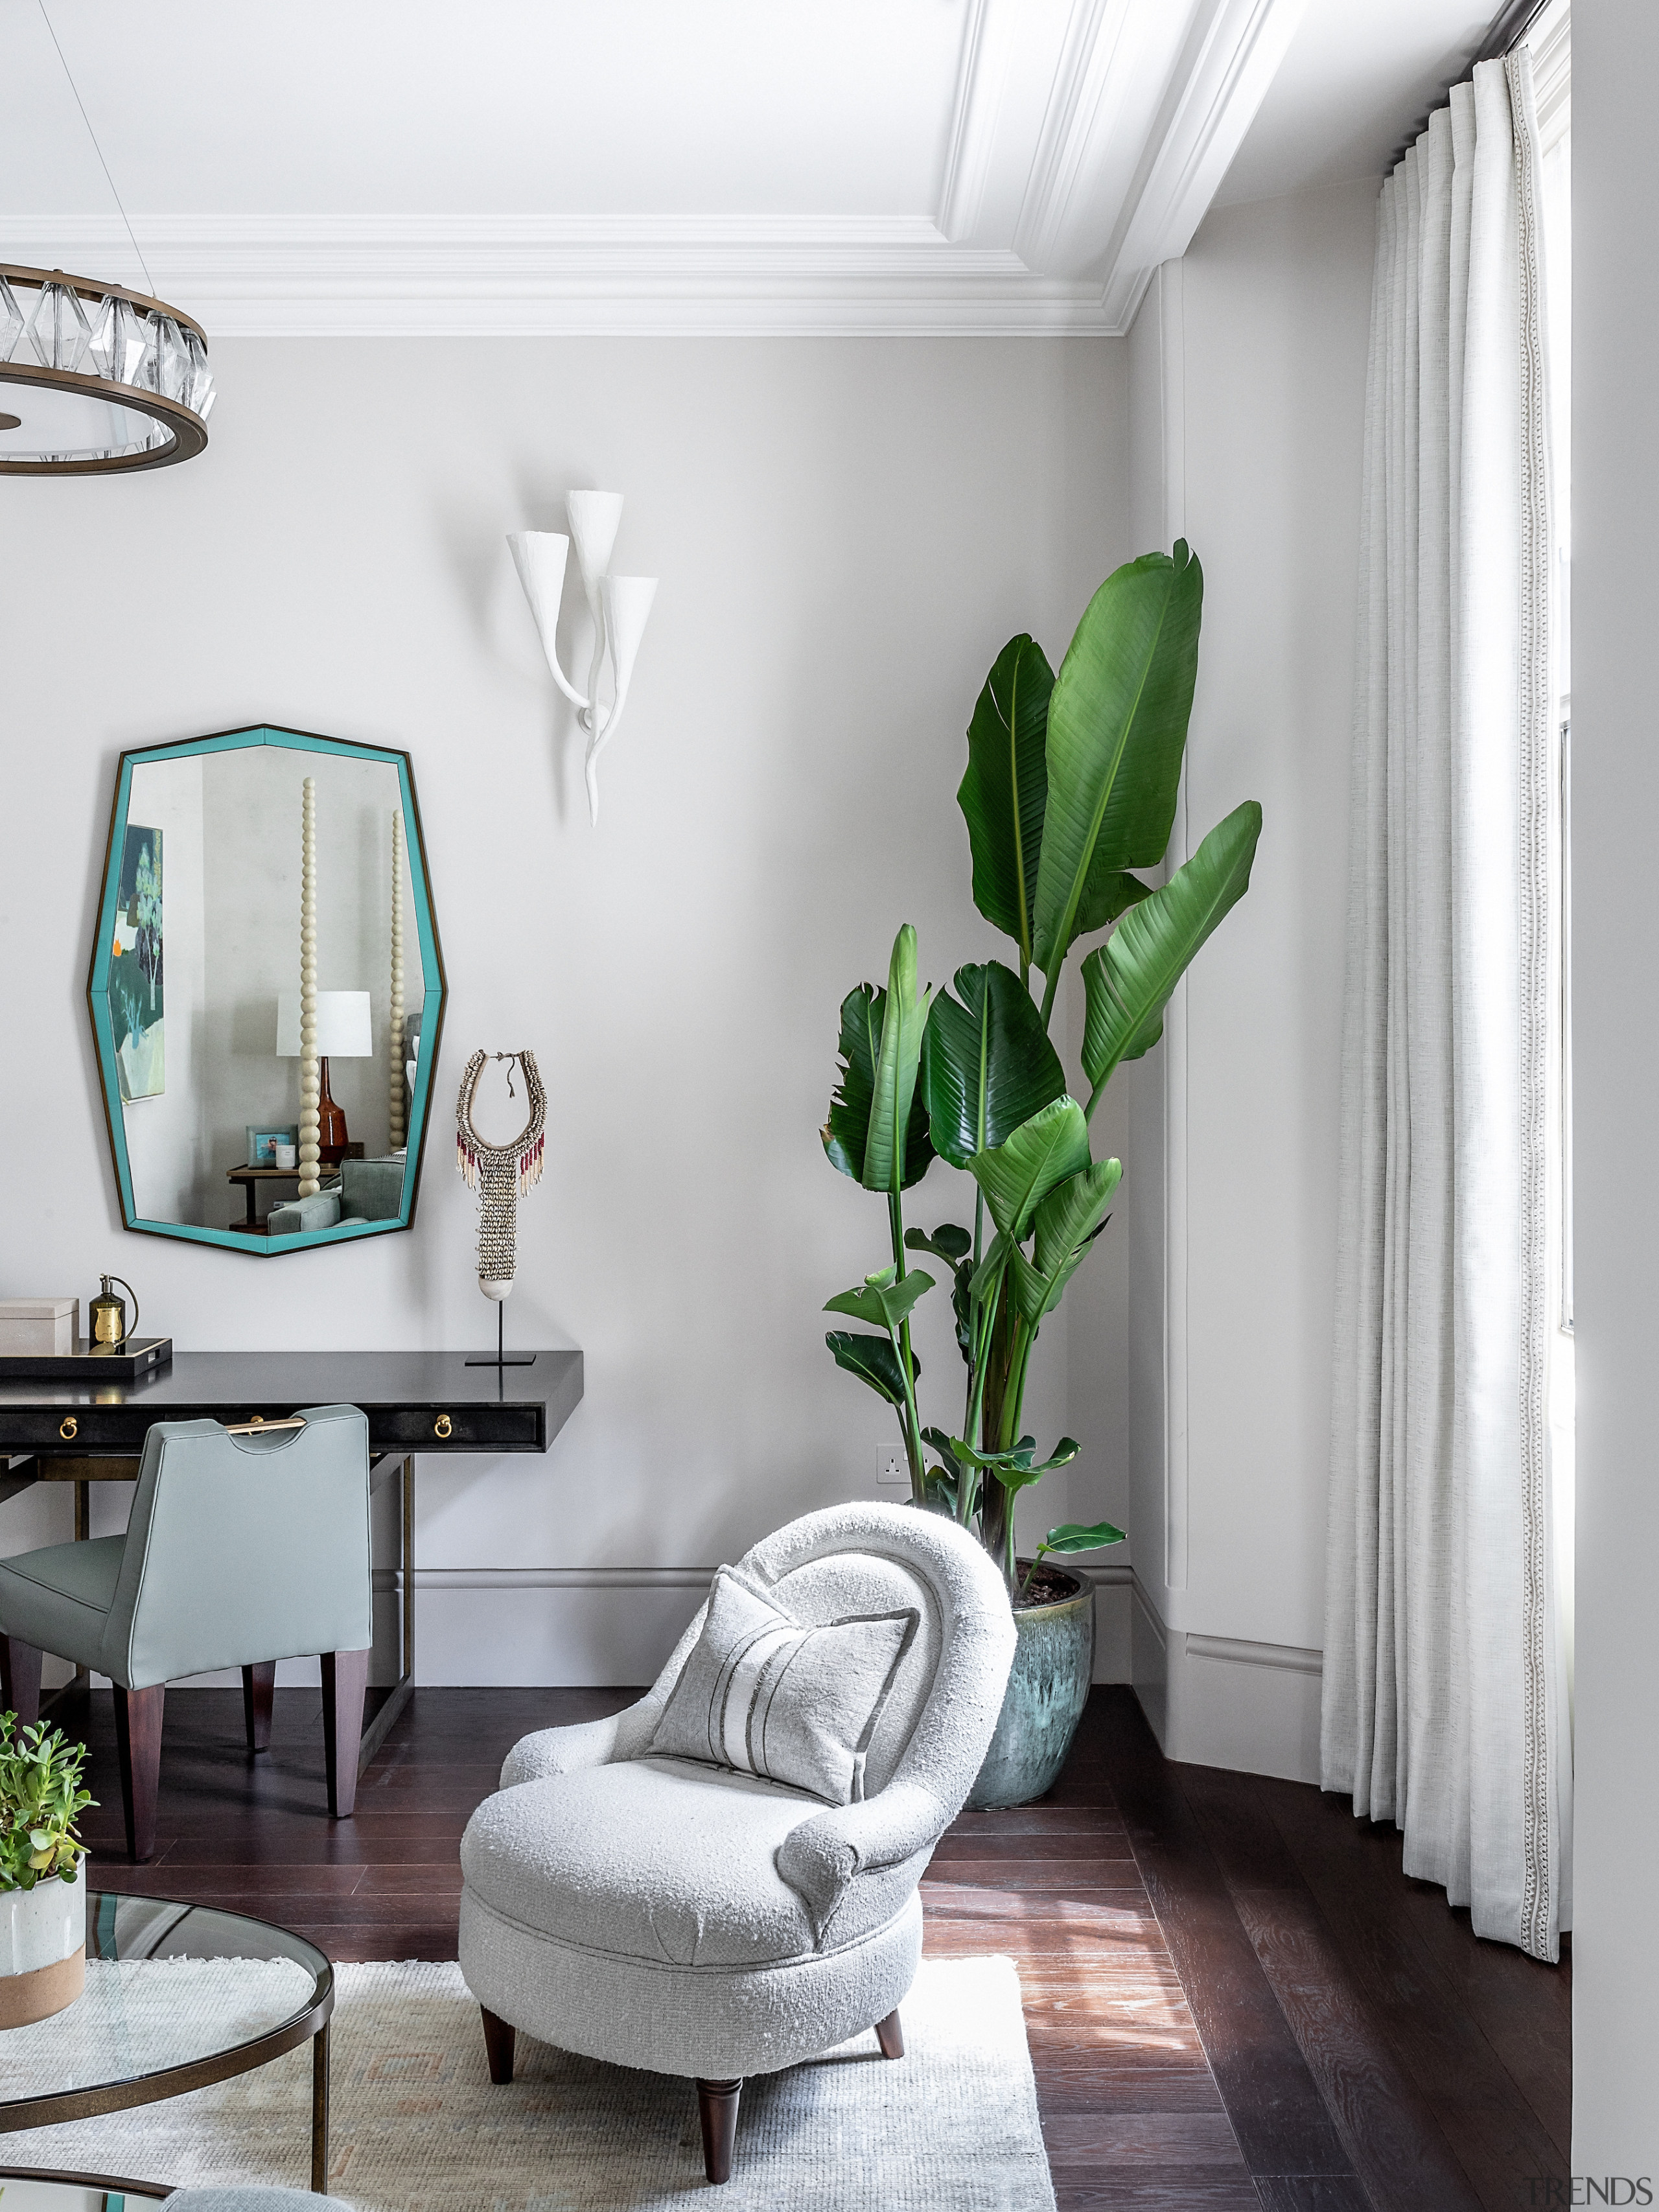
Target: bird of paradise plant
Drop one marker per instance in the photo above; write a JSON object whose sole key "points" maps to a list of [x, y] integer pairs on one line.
{"points": [[1070, 789]]}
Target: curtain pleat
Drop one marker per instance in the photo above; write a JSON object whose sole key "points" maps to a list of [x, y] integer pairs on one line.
{"points": [[1439, 1685]]}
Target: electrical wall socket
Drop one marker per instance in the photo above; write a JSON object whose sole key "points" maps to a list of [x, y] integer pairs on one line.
{"points": [[891, 1465]]}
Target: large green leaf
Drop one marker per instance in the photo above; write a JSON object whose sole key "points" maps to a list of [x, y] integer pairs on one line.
{"points": [[955, 1248], [986, 1063], [1074, 1536], [846, 1134], [1128, 979], [949, 1243], [1003, 793], [1018, 1174], [1117, 725], [1016, 1468], [1067, 1223], [1108, 893], [873, 1360], [898, 1057], [882, 1298]]}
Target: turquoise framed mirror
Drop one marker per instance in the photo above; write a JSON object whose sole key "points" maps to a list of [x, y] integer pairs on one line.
{"points": [[256, 1101]]}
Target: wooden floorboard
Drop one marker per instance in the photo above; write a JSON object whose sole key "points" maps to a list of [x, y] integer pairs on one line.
{"points": [[1235, 2001]]}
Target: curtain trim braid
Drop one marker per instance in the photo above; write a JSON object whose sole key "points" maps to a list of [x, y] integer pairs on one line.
{"points": [[1537, 708]]}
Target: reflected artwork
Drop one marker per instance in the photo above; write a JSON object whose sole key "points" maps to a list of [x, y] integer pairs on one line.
{"points": [[135, 973]]}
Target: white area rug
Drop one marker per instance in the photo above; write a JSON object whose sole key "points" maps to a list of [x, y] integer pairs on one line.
{"points": [[418, 2126]]}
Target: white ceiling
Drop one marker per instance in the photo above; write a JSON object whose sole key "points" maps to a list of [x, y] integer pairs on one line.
{"points": [[531, 165]]}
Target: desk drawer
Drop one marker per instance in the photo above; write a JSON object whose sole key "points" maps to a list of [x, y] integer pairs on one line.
{"points": [[457, 1428], [83, 1432]]}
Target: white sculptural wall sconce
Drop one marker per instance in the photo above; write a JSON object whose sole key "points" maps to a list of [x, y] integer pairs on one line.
{"points": [[619, 606]]}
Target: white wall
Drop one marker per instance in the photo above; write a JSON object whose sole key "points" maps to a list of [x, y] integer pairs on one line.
{"points": [[1615, 803], [846, 532], [1249, 373]]}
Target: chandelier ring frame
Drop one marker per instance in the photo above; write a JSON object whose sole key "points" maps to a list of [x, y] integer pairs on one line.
{"points": [[188, 432]]}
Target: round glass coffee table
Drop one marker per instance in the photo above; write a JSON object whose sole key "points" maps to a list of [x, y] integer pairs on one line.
{"points": [[29, 2190], [177, 1995]]}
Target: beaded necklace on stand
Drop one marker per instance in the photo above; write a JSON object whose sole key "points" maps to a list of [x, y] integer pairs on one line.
{"points": [[501, 1174]]}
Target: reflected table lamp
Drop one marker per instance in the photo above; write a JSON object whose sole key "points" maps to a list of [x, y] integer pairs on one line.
{"points": [[343, 1032]]}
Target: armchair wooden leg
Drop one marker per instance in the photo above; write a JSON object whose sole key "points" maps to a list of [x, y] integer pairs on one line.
{"points": [[20, 1679], [138, 1746], [890, 2035], [499, 2037], [345, 1678], [717, 2104], [259, 1689]]}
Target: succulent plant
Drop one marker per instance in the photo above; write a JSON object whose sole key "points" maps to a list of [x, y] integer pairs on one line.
{"points": [[41, 1800]]}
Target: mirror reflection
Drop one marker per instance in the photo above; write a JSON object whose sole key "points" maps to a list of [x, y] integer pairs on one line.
{"points": [[199, 998]]}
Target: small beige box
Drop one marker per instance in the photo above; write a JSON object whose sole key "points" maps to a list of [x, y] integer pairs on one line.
{"points": [[38, 1325]]}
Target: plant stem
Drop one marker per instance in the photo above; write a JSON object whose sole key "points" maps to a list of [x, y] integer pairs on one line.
{"points": [[907, 1369], [967, 1484]]}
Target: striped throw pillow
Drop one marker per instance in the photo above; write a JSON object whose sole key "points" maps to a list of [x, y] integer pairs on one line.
{"points": [[788, 1701]]}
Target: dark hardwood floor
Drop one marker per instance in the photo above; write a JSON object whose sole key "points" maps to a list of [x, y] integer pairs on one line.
{"points": [[1236, 2000]]}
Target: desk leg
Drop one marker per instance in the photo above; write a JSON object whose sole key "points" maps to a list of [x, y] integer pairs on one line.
{"points": [[319, 2111], [409, 1568], [394, 1700], [83, 1531]]}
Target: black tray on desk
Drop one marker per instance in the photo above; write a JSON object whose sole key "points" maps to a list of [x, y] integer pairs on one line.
{"points": [[139, 1355]]}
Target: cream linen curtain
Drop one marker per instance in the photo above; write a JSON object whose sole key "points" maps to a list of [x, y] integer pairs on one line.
{"points": [[1440, 1689]]}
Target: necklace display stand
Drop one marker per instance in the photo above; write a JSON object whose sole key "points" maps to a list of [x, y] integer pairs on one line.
{"points": [[502, 1358], [501, 1175]]}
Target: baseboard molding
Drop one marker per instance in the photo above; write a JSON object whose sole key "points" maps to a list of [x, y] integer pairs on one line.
{"points": [[1226, 1700], [594, 1627]]}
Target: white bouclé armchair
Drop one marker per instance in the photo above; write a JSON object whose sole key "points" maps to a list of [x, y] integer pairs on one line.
{"points": [[670, 1913]]}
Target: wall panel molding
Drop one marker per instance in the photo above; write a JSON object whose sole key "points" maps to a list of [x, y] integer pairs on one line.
{"points": [[1226, 1700]]}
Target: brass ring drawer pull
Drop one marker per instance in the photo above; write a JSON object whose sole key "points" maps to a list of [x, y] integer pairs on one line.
{"points": [[443, 1426], [68, 1428]]}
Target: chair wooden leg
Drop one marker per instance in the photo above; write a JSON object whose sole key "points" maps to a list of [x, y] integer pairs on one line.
{"points": [[717, 2104], [499, 2036], [259, 1689], [138, 1746], [345, 1678], [890, 2035], [20, 1679]]}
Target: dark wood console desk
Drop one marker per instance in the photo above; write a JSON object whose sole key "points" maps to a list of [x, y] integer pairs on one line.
{"points": [[86, 1432]]}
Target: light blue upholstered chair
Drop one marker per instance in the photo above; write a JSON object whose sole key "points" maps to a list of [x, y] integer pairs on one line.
{"points": [[365, 1190], [239, 1551]]}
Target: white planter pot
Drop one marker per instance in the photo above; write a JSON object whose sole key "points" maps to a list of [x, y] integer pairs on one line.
{"points": [[43, 1948]]}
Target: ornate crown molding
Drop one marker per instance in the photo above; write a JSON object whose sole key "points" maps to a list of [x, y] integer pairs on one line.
{"points": [[1051, 215]]}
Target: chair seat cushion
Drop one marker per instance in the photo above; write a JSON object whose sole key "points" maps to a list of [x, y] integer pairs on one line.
{"points": [[58, 1598], [658, 1859]]}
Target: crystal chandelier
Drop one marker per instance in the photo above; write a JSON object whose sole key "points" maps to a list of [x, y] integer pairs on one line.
{"points": [[105, 379], [110, 379]]}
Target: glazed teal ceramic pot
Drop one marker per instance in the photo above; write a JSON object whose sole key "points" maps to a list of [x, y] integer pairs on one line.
{"points": [[1047, 1690]]}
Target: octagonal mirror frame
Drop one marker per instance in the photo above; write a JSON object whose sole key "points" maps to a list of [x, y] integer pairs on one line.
{"points": [[433, 980]]}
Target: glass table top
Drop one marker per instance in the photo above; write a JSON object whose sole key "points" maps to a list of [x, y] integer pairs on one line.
{"points": [[169, 1986]]}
